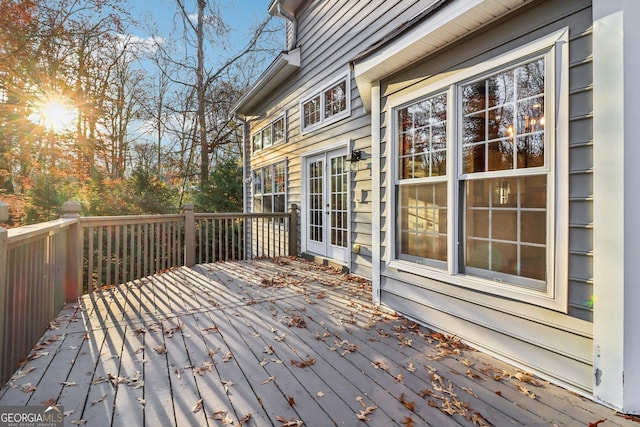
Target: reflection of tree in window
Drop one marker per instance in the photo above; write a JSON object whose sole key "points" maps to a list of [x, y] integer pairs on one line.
{"points": [[335, 99], [503, 114], [311, 111]]}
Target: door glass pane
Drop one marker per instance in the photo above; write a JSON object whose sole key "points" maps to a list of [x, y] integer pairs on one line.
{"points": [[338, 205], [316, 202]]}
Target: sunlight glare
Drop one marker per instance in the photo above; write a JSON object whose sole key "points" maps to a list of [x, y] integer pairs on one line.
{"points": [[55, 114]]}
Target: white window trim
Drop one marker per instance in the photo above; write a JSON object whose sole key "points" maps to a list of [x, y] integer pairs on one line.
{"points": [[262, 193], [556, 166], [270, 125], [324, 121]]}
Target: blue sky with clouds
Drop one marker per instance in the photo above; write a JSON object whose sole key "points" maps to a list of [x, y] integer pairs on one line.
{"points": [[239, 15]]}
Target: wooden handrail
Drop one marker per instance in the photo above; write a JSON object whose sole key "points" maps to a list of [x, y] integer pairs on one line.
{"points": [[44, 265]]}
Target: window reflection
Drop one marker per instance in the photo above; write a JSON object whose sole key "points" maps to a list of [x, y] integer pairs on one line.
{"points": [[503, 120]]}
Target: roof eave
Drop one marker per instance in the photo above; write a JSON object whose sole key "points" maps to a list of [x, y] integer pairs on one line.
{"points": [[280, 69], [444, 24]]}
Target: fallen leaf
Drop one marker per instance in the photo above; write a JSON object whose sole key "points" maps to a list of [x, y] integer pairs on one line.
{"points": [[304, 363], [68, 383], [67, 413], [244, 420], [291, 401], [22, 373], [408, 422], [525, 391], [228, 356], [78, 422], [268, 380], [95, 402], [411, 368], [28, 388], [141, 400], [160, 349], [409, 405], [197, 407], [320, 394], [226, 385]]}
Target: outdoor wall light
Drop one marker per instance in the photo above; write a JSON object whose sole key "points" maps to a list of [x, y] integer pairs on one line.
{"points": [[356, 156]]}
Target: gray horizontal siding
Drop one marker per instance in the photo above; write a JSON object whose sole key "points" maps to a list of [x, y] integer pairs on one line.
{"points": [[553, 344]]}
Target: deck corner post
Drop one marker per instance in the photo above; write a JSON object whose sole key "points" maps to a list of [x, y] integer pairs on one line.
{"points": [[4, 371], [293, 230], [189, 235], [73, 274]]}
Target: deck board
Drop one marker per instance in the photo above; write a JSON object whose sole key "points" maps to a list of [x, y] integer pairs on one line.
{"points": [[270, 342]]}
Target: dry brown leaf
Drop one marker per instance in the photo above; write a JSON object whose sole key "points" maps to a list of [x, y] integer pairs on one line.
{"points": [[226, 385], [244, 420], [409, 405], [411, 368], [68, 383], [408, 422], [141, 400], [95, 402], [197, 407], [22, 373], [228, 356], [291, 401], [525, 391], [78, 422], [320, 394], [160, 349], [268, 380]]}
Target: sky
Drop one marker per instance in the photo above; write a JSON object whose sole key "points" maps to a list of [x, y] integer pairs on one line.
{"points": [[240, 15]]}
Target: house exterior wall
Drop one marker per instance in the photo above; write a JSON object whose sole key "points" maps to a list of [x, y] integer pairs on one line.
{"points": [[329, 35], [586, 339], [555, 344]]}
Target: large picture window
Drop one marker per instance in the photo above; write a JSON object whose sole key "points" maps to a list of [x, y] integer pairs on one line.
{"points": [[476, 194]]}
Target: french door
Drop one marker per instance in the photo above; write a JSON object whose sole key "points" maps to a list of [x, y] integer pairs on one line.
{"points": [[326, 212]]}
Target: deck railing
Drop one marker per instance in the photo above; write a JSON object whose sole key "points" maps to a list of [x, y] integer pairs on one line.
{"points": [[43, 266]]}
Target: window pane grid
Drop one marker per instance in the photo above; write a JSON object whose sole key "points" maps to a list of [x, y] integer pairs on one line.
{"points": [[338, 196], [316, 202], [422, 137], [311, 111], [423, 220], [503, 120], [335, 99], [505, 221]]}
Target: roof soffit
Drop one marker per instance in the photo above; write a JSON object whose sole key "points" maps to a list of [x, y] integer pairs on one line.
{"points": [[445, 24]]}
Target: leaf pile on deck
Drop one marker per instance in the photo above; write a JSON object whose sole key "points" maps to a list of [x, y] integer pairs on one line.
{"points": [[315, 322]]}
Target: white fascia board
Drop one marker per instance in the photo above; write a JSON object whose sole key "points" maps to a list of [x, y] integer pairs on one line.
{"points": [[280, 69], [438, 30]]}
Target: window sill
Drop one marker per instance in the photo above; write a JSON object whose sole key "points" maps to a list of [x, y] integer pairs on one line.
{"points": [[479, 285]]}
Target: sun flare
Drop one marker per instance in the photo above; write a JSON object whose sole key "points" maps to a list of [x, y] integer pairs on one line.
{"points": [[55, 113]]}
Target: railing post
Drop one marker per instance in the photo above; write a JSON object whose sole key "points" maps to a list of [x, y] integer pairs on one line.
{"points": [[73, 273], [293, 230], [189, 236], [4, 365]]}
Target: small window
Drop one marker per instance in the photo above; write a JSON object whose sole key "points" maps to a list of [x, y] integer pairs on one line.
{"points": [[269, 188], [326, 106], [274, 133]]}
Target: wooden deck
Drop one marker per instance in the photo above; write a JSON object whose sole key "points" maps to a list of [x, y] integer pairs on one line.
{"points": [[272, 343]]}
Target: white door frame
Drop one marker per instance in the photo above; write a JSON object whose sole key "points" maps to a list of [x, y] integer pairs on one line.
{"points": [[305, 245]]}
